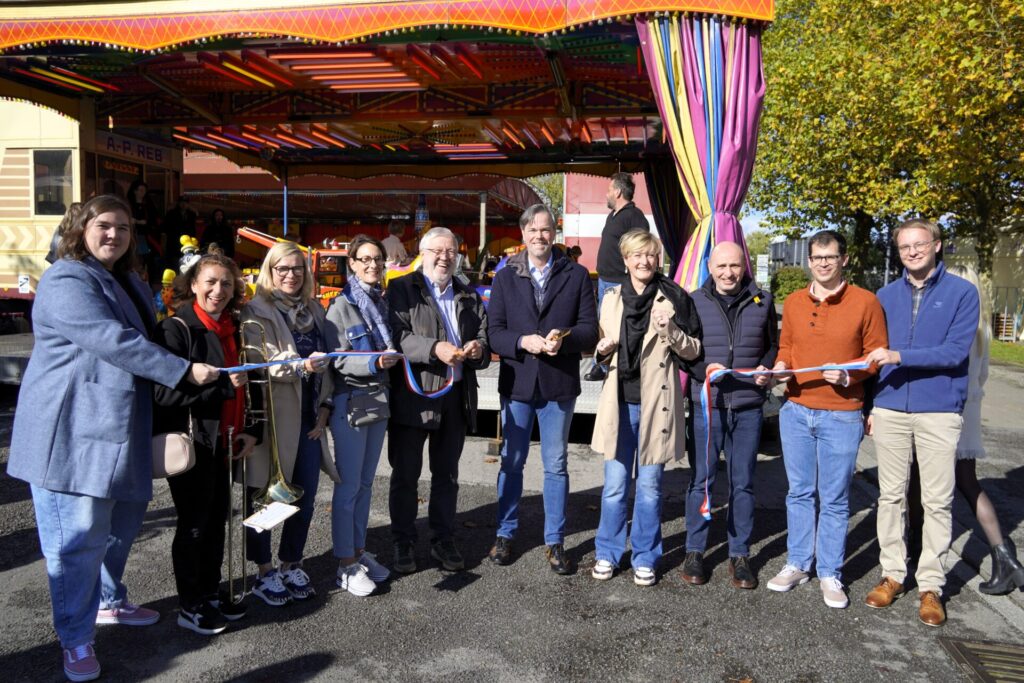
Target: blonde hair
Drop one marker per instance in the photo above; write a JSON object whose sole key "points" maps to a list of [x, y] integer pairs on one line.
{"points": [[983, 336], [265, 280], [920, 224], [638, 240]]}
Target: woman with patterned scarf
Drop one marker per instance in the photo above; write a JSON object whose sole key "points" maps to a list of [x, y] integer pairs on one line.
{"points": [[207, 298], [294, 323], [358, 321]]}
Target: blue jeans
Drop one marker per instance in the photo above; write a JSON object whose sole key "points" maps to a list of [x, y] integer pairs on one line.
{"points": [[295, 529], [738, 433], [820, 454], [645, 536], [517, 419], [85, 541], [356, 453], [602, 287]]}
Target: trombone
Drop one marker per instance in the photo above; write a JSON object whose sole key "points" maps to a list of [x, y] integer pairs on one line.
{"points": [[276, 488]]}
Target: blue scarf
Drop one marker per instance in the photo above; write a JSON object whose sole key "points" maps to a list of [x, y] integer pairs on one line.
{"points": [[374, 310]]}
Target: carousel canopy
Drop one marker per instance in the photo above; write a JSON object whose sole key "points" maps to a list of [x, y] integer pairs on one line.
{"points": [[434, 89]]}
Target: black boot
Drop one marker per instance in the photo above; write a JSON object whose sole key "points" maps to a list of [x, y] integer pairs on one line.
{"points": [[1006, 570]]}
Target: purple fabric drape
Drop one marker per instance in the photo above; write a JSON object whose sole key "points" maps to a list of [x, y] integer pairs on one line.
{"points": [[709, 86]]}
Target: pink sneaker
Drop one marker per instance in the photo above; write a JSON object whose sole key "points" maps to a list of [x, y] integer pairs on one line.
{"points": [[80, 663], [127, 614]]}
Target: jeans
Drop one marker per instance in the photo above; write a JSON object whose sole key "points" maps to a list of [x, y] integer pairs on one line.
{"points": [[554, 418], [820, 454], [602, 287], [295, 529], [202, 498], [738, 433], [356, 453], [645, 536], [405, 455], [85, 541]]}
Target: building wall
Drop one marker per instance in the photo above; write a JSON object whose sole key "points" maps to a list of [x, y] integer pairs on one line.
{"points": [[586, 210], [25, 237]]}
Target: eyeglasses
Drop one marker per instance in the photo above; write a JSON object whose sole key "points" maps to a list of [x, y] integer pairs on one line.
{"points": [[438, 253], [367, 260], [284, 270], [916, 246], [827, 259]]}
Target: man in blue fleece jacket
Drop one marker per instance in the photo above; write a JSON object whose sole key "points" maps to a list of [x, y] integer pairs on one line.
{"points": [[931, 317]]}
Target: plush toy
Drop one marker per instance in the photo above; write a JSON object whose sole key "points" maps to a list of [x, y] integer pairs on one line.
{"points": [[189, 253], [165, 296]]}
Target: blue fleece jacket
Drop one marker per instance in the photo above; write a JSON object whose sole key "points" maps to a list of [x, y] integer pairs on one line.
{"points": [[932, 374]]}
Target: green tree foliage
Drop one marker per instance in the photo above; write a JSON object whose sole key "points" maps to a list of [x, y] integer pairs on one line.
{"points": [[550, 188], [757, 243], [787, 280], [881, 109]]}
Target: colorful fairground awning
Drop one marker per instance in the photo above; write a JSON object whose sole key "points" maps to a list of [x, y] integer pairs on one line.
{"points": [[435, 89]]}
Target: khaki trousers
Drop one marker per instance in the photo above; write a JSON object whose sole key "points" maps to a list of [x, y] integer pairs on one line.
{"points": [[936, 436]]}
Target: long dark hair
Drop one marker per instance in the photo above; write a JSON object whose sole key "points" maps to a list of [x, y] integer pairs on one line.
{"points": [[183, 295], [72, 242]]}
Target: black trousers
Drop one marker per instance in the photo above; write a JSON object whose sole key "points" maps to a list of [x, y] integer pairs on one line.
{"points": [[202, 497], [405, 455]]}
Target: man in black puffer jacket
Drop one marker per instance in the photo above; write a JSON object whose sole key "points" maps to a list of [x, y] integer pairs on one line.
{"points": [[740, 330]]}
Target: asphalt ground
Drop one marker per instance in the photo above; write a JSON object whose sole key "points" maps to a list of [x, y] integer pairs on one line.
{"points": [[524, 623]]}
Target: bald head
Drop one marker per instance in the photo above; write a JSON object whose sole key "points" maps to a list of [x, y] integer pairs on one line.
{"points": [[727, 265]]}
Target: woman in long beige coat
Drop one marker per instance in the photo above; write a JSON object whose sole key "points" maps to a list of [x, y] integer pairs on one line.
{"points": [[647, 325], [293, 322]]}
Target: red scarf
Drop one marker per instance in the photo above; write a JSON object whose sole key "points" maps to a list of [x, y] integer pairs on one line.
{"points": [[232, 412]]}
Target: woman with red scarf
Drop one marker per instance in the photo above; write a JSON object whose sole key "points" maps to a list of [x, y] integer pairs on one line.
{"points": [[207, 298]]}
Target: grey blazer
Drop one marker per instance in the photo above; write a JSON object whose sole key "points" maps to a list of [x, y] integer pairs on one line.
{"points": [[83, 423]]}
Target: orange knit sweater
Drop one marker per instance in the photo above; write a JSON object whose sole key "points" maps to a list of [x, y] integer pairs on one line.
{"points": [[844, 327]]}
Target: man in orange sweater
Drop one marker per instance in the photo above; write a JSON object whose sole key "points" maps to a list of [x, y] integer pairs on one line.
{"points": [[821, 425]]}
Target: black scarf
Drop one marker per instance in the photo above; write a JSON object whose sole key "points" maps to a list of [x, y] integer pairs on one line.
{"points": [[636, 318]]}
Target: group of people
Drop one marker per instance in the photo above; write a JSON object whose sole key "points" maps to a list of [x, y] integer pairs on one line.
{"points": [[104, 377]]}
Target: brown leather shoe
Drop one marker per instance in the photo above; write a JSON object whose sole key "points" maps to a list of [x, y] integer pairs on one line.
{"points": [[884, 593], [931, 611]]}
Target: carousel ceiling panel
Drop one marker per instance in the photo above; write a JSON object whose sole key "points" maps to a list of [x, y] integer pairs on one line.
{"points": [[529, 85]]}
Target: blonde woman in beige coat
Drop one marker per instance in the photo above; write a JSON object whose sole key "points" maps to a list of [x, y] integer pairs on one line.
{"points": [[647, 326], [294, 324]]}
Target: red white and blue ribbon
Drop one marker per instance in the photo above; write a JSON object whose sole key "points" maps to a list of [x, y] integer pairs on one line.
{"points": [[705, 408], [410, 378]]}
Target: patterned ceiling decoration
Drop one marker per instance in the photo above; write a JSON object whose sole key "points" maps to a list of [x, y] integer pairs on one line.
{"points": [[342, 21], [433, 88]]}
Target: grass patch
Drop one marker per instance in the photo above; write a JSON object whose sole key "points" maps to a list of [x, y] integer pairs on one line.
{"points": [[1007, 352]]}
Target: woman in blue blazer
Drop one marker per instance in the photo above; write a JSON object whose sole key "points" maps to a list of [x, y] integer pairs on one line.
{"points": [[83, 424]]}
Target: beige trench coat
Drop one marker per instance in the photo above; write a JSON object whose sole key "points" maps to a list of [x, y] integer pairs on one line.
{"points": [[286, 385], [662, 417]]}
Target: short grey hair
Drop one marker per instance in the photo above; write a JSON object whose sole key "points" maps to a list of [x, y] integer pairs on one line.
{"points": [[532, 212], [437, 232]]}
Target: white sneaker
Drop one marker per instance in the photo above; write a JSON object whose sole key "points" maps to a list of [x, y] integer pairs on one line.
{"points": [[297, 583], [789, 578], [377, 572], [644, 576], [603, 570], [355, 580], [832, 592], [270, 590]]}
